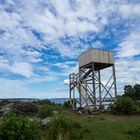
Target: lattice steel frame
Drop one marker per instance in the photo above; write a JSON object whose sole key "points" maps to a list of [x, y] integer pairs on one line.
{"points": [[90, 87]]}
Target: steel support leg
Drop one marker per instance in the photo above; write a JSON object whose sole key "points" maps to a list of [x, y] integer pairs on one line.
{"points": [[94, 90], [80, 98], [100, 92], [114, 78]]}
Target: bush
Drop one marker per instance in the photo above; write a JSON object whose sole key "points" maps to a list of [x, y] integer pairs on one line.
{"points": [[18, 128], [45, 111], [60, 127], [123, 105], [67, 104]]}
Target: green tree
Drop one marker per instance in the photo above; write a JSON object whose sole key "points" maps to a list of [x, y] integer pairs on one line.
{"points": [[129, 91], [132, 92], [123, 105], [15, 127], [45, 111], [137, 92], [60, 127]]}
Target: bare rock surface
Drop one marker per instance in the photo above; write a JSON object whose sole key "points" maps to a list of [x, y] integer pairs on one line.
{"points": [[45, 121]]}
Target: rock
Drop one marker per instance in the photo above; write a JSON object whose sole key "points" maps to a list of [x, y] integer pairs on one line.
{"points": [[55, 112], [29, 109], [91, 116], [6, 109], [79, 112], [45, 121]]}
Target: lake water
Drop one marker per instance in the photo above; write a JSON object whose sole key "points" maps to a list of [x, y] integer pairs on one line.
{"points": [[62, 100], [59, 100]]}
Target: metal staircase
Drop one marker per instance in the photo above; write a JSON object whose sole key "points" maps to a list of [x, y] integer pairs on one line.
{"points": [[78, 81]]}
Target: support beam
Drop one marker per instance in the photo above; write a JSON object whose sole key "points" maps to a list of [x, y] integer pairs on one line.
{"points": [[115, 85], [70, 86], [100, 92], [80, 98], [94, 90]]}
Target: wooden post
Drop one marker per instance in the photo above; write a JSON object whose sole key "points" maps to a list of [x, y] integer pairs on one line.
{"points": [[100, 94], [94, 90], [114, 78]]}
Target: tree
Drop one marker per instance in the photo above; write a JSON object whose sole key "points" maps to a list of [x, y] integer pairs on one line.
{"points": [[137, 92], [128, 91], [132, 92], [123, 105]]}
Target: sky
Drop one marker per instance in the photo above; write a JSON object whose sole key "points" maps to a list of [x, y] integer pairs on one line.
{"points": [[40, 41]]}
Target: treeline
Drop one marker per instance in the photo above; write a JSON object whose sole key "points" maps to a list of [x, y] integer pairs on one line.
{"points": [[129, 102], [132, 91]]}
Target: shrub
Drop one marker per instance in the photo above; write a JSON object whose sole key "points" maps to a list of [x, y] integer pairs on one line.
{"points": [[18, 128], [123, 105], [67, 104], [45, 111], [60, 127]]}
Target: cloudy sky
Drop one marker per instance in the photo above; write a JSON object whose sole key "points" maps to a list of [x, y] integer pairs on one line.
{"points": [[41, 39]]}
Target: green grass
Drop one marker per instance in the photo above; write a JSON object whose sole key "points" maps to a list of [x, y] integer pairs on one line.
{"points": [[105, 127], [98, 127]]}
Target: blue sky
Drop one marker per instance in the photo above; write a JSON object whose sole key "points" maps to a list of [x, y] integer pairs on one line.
{"points": [[40, 41]]}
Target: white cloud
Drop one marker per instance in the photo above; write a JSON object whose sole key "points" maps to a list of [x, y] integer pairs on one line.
{"points": [[9, 20], [66, 81], [22, 68], [13, 88], [55, 19], [65, 19], [19, 89], [130, 46], [127, 66], [129, 10], [127, 72], [67, 68]]}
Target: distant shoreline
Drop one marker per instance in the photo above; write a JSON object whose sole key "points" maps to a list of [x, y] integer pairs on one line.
{"points": [[54, 100]]}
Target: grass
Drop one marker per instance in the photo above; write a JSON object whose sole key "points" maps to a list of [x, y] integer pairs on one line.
{"points": [[104, 127]]}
